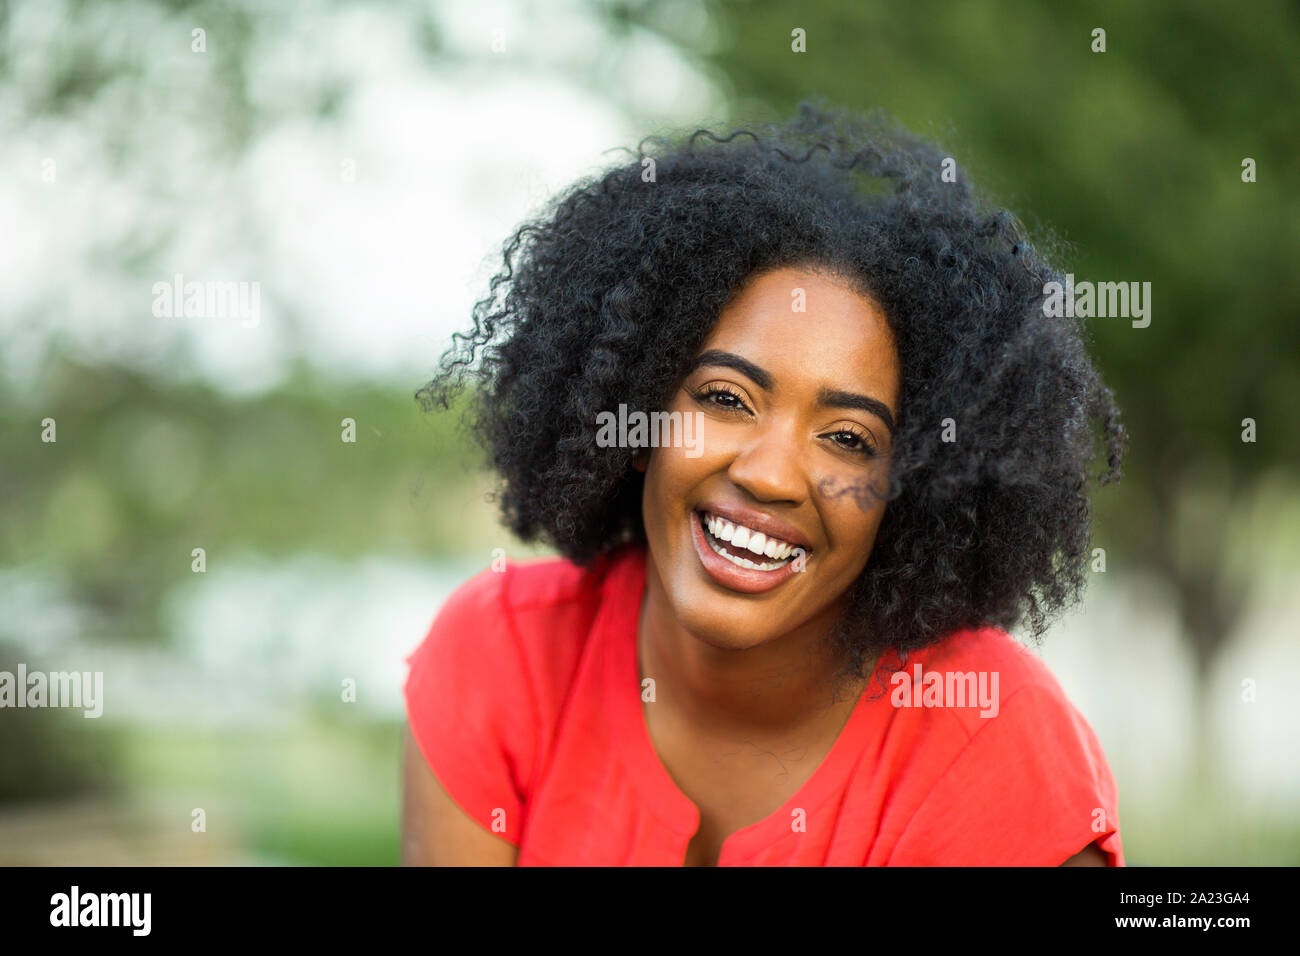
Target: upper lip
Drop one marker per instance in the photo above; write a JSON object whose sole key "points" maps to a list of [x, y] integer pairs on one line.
{"points": [[758, 521]]}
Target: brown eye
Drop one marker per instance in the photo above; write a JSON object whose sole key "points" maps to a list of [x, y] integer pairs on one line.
{"points": [[855, 443], [721, 397]]}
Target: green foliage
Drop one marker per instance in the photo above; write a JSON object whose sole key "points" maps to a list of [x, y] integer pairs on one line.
{"points": [[143, 472]]}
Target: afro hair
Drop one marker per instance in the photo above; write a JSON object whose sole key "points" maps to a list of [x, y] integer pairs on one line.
{"points": [[606, 296]]}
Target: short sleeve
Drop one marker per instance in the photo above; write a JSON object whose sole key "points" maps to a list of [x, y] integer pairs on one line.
{"points": [[1030, 788], [470, 708]]}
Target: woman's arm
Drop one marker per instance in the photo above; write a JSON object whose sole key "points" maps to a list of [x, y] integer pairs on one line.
{"points": [[1090, 855], [436, 832]]}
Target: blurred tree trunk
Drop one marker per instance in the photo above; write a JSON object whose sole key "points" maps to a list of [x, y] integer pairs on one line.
{"points": [[1209, 607]]}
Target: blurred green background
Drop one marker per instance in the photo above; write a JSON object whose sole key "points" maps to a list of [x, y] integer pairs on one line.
{"points": [[362, 163]]}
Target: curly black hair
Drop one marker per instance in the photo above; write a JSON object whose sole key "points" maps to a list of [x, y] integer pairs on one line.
{"points": [[606, 296]]}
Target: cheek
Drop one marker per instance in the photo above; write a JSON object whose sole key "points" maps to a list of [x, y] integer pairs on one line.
{"points": [[687, 457], [853, 506], [669, 477]]}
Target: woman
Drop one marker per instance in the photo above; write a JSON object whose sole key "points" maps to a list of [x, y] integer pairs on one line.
{"points": [[777, 634]]}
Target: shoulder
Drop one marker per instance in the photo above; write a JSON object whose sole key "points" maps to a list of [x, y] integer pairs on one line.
{"points": [[1018, 700], [496, 595], [1012, 680], [531, 616], [514, 635], [1025, 778]]}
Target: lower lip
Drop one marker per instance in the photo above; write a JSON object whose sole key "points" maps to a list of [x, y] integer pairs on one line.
{"points": [[733, 576]]}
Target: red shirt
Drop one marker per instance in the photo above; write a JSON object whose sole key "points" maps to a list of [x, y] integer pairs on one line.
{"points": [[525, 699]]}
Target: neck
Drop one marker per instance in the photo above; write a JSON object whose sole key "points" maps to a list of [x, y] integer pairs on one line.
{"points": [[782, 684]]}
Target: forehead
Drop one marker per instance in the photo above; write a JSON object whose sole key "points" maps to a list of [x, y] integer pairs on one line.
{"points": [[810, 331]]}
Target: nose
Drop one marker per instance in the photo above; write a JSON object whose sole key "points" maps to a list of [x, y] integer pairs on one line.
{"points": [[769, 465]]}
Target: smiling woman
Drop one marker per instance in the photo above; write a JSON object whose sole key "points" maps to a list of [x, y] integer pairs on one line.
{"points": [[890, 470]]}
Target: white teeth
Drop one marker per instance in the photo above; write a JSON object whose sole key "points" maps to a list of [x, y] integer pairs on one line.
{"points": [[745, 562], [743, 537], [720, 528], [754, 542]]}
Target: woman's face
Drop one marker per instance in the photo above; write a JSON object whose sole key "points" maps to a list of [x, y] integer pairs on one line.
{"points": [[795, 411]]}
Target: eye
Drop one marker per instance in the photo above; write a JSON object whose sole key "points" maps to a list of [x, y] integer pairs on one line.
{"points": [[721, 396], [854, 442]]}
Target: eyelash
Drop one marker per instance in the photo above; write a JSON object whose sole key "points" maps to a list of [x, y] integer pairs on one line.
{"points": [[706, 395]]}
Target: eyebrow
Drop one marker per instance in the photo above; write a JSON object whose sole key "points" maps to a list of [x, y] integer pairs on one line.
{"points": [[827, 397]]}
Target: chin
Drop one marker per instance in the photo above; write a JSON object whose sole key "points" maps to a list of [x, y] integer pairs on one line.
{"points": [[713, 626]]}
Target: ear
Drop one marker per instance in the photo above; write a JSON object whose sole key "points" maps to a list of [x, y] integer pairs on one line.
{"points": [[641, 459]]}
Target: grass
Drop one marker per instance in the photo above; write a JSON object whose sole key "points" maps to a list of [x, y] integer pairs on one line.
{"points": [[314, 792]]}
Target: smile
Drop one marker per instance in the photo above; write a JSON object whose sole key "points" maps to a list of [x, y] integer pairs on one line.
{"points": [[748, 547], [741, 559]]}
